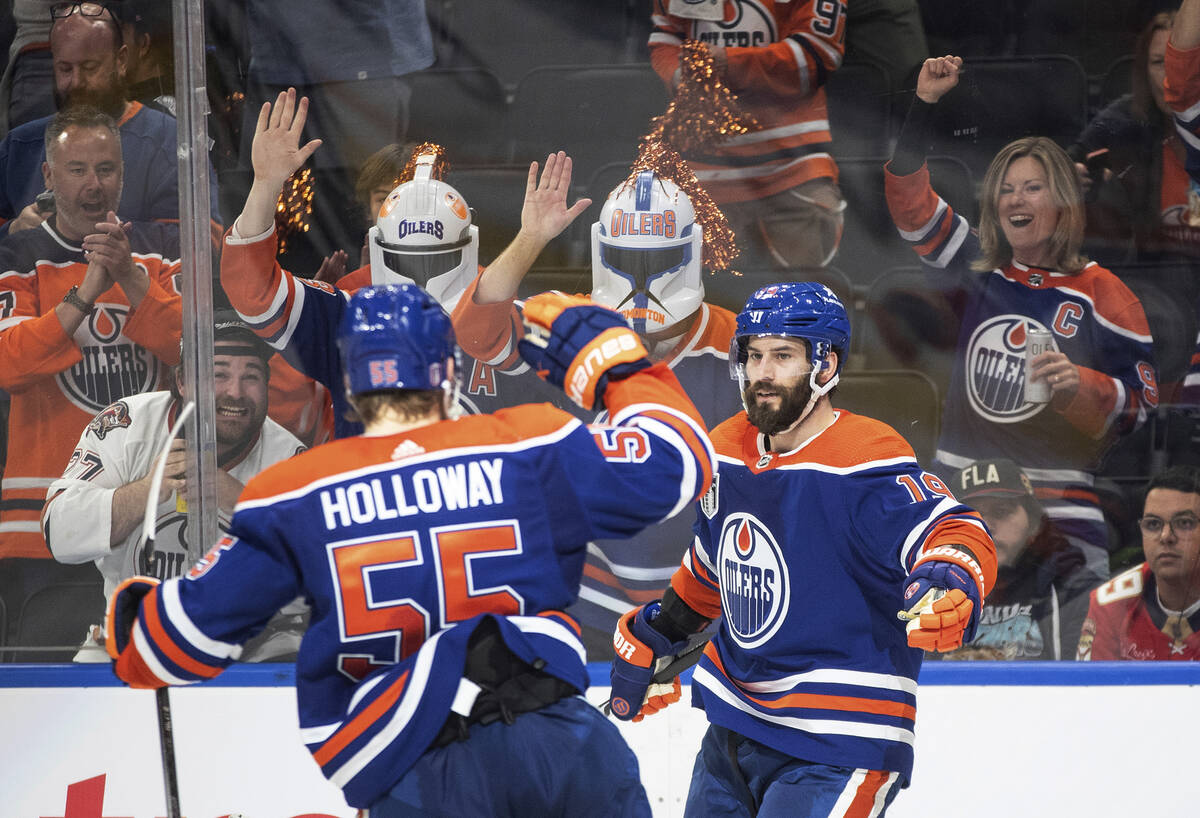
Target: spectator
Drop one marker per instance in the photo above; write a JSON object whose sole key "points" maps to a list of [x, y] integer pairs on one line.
{"points": [[89, 314], [298, 317], [887, 33], [25, 87], [94, 511], [777, 185], [90, 64], [1152, 611], [1037, 606], [654, 278], [150, 43], [1023, 271], [1132, 159]]}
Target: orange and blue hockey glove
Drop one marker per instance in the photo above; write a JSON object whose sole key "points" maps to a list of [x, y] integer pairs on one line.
{"points": [[579, 346], [638, 647], [943, 606]]}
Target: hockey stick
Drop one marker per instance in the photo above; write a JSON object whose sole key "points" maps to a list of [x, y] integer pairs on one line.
{"points": [[666, 668], [162, 698]]}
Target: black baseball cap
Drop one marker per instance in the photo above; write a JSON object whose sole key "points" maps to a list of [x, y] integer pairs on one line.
{"points": [[997, 477]]}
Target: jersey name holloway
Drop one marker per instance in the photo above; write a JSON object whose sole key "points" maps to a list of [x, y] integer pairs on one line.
{"points": [[754, 580]]}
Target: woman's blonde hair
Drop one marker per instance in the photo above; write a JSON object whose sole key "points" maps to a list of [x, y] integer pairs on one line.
{"points": [[1064, 191]]}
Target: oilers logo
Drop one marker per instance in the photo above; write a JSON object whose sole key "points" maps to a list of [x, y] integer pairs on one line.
{"points": [[169, 557], [754, 580], [747, 24], [995, 367], [113, 367]]}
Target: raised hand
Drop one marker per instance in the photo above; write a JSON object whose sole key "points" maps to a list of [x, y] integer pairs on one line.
{"points": [[938, 75], [276, 152], [545, 213]]}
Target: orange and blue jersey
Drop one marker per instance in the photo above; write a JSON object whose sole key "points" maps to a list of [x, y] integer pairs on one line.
{"points": [[1094, 319], [804, 555], [403, 543]]}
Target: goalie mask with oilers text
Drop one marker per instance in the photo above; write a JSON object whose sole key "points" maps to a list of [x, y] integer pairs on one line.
{"points": [[423, 235], [646, 254], [805, 310], [398, 337]]}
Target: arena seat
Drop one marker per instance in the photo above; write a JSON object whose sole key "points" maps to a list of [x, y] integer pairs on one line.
{"points": [[597, 113], [859, 102], [57, 616], [463, 109], [905, 399]]}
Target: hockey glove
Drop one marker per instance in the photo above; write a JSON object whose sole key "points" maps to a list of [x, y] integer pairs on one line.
{"points": [[638, 646], [579, 346], [944, 606]]}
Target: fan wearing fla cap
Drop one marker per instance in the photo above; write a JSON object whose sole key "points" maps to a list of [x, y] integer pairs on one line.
{"points": [[1036, 609], [94, 511]]}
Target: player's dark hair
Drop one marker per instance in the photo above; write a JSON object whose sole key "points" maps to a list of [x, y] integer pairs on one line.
{"points": [[78, 116], [404, 404], [1185, 479]]}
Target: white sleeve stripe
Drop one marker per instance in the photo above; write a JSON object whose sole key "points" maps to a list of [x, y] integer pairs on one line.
{"points": [[831, 53], [662, 38], [1187, 136], [146, 651], [687, 481], [705, 679], [1118, 407], [274, 308], [319, 734], [956, 240], [294, 318], [219, 651], [637, 408], [410, 699], [801, 58], [920, 531], [552, 628], [596, 597], [12, 322], [1189, 114], [922, 233], [632, 572], [700, 552]]}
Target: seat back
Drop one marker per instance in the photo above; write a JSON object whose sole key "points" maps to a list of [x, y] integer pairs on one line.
{"points": [[58, 616], [463, 109], [905, 399]]}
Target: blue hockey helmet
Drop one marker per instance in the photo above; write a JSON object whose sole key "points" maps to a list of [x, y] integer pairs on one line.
{"points": [[804, 310], [396, 336]]}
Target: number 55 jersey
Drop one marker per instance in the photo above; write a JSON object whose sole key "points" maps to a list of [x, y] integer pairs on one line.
{"points": [[403, 544]]}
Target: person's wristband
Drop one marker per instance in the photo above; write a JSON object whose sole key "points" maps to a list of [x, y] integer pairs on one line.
{"points": [[72, 298]]}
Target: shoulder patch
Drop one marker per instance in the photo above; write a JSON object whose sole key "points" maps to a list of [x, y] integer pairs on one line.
{"points": [[711, 500], [115, 416]]}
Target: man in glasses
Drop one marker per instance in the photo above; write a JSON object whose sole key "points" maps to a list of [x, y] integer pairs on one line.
{"points": [[1152, 611], [90, 63]]}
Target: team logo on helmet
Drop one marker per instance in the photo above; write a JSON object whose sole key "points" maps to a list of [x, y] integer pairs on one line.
{"points": [[754, 580], [995, 368], [113, 417], [112, 367]]}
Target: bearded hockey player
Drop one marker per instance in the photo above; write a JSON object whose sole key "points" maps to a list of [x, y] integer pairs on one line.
{"points": [[819, 528], [440, 674]]}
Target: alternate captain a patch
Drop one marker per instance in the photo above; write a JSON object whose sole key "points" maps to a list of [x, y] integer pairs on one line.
{"points": [[115, 416]]}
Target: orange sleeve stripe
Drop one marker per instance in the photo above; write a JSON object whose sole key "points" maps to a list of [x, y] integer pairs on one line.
{"points": [[158, 635], [350, 731], [697, 446], [132, 669], [822, 701], [569, 621], [699, 597]]}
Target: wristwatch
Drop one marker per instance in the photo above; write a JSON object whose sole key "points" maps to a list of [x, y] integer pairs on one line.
{"points": [[72, 298]]}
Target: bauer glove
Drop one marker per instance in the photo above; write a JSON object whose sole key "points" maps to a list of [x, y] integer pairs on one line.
{"points": [[579, 346], [944, 606], [638, 646]]}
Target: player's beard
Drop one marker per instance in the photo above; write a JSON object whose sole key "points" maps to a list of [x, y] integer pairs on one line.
{"points": [[792, 401], [110, 99]]}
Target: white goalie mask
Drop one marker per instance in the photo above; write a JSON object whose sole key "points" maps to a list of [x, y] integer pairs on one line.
{"points": [[424, 236], [646, 254]]}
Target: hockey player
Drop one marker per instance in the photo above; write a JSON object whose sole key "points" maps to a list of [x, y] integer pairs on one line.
{"points": [[647, 249], [1022, 272], [424, 235], [440, 674], [819, 526], [1152, 611]]}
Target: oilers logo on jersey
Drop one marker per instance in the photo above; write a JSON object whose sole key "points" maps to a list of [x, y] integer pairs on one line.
{"points": [[754, 580], [746, 25], [996, 369], [112, 367]]}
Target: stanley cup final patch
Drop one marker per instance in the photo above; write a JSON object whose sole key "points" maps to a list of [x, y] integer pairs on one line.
{"points": [[710, 500]]}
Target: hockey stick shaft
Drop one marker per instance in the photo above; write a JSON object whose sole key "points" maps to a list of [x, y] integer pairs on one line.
{"points": [[162, 696]]}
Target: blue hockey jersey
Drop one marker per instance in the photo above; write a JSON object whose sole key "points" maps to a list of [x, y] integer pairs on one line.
{"points": [[401, 544], [804, 555], [1094, 320]]}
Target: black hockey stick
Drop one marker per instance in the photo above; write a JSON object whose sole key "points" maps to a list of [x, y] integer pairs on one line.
{"points": [[162, 696], [668, 667]]}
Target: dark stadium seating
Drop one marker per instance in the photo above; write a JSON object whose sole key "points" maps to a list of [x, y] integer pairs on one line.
{"points": [[859, 101], [58, 616], [463, 109], [905, 399]]}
